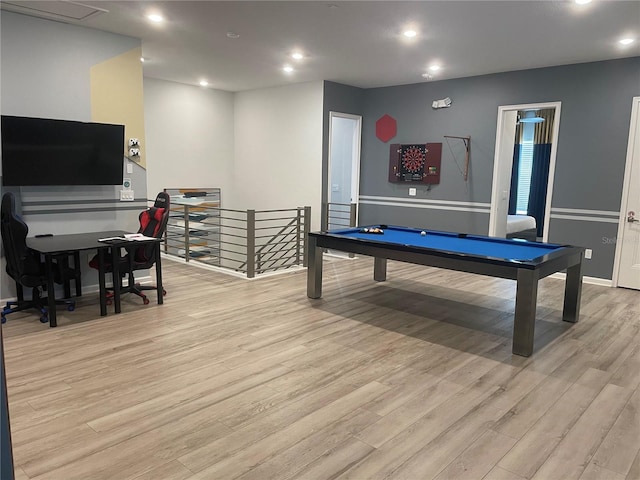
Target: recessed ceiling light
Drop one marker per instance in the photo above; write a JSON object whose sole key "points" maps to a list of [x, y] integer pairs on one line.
{"points": [[297, 56], [410, 33], [626, 41], [288, 69], [434, 68], [582, 2], [155, 17], [203, 83], [142, 59], [233, 35]]}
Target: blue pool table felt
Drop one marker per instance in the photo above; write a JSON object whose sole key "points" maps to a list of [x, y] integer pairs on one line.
{"points": [[516, 250]]}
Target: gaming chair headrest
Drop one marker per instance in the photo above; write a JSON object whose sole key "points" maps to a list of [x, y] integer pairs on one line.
{"points": [[8, 206], [162, 200]]}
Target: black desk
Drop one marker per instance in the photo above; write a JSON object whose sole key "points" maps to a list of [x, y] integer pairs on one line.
{"points": [[77, 242]]}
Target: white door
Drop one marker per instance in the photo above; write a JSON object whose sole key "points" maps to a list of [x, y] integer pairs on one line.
{"points": [[344, 167], [503, 163], [628, 245]]}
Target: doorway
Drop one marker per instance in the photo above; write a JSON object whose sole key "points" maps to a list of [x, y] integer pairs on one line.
{"points": [[343, 170], [626, 268], [521, 120]]}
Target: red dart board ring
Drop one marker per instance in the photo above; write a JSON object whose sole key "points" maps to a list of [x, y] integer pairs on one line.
{"points": [[413, 159]]}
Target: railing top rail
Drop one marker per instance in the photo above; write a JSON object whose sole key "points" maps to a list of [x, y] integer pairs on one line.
{"points": [[281, 210]]}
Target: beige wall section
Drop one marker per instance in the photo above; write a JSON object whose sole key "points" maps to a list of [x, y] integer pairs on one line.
{"points": [[117, 96]]}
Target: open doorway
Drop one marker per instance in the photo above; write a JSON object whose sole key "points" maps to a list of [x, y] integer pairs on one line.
{"points": [[341, 210], [524, 166], [344, 170]]}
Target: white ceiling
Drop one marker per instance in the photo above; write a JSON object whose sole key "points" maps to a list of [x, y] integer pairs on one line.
{"points": [[360, 43]]}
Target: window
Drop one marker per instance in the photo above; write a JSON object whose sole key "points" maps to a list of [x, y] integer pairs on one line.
{"points": [[524, 177]]}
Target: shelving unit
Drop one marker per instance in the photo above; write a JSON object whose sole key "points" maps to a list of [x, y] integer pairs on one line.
{"points": [[193, 230]]}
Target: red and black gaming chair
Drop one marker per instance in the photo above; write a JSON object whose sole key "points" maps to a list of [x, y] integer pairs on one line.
{"points": [[153, 223], [24, 266]]}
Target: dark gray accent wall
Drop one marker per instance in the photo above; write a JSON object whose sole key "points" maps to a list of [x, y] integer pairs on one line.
{"points": [[336, 98], [594, 127]]}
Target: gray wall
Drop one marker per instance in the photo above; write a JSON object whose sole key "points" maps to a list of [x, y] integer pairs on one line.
{"points": [[45, 66], [46, 73], [594, 126]]}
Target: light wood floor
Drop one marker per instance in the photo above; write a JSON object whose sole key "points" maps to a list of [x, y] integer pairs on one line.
{"points": [[408, 379]]}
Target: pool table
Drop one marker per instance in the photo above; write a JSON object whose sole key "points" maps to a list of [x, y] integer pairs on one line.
{"points": [[520, 260]]}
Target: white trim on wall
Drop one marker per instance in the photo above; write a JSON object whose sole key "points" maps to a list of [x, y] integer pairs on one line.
{"points": [[585, 215], [476, 207]]}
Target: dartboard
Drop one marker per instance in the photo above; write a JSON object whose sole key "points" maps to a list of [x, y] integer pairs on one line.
{"points": [[413, 159]]}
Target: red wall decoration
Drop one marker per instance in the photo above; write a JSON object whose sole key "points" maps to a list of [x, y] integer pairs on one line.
{"points": [[386, 128]]}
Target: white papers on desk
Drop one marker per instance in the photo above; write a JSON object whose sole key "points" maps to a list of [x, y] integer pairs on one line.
{"points": [[137, 236], [130, 237], [111, 239]]}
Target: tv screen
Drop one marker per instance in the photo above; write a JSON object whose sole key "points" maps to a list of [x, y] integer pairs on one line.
{"points": [[40, 151]]}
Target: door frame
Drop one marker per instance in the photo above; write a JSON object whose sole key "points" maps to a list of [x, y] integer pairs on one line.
{"points": [[502, 163], [355, 154], [626, 186]]}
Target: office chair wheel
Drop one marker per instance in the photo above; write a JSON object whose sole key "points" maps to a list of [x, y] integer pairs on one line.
{"points": [[44, 318], [145, 300], [71, 307], [164, 292], [4, 318], [109, 301]]}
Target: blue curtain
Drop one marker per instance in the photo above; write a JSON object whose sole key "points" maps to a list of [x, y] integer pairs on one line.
{"points": [[539, 180], [513, 195]]}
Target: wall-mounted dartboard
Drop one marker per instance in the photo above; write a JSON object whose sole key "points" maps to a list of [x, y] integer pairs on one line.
{"points": [[415, 163]]}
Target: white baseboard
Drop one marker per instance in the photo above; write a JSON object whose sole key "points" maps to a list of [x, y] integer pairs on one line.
{"points": [[228, 271], [603, 282]]}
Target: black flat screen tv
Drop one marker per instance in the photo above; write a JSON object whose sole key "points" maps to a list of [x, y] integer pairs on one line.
{"points": [[41, 151]]}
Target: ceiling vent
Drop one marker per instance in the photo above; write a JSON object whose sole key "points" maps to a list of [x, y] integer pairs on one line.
{"points": [[61, 10]]}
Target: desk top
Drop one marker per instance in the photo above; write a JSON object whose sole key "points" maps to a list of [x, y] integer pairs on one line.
{"points": [[72, 242]]}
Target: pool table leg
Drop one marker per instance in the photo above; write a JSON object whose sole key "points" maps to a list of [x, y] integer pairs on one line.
{"points": [[314, 270], [572, 293], [525, 317], [379, 269]]}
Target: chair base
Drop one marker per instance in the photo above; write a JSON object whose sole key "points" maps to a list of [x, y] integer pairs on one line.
{"points": [[36, 302], [136, 289]]}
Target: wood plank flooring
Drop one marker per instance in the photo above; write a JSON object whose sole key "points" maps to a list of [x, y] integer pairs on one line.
{"points": [[412, 378]]}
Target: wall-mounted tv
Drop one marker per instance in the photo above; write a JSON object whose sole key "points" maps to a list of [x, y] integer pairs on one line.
{"points": [[42, 151]]}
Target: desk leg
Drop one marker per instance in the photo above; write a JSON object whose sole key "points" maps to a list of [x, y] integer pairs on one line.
{"points": [[51, 295], [314, 270], [525, 316], [63, 265], [102, 282], [572, 293], [379, 269], [76, 267], [115, 275], [159, 275]]}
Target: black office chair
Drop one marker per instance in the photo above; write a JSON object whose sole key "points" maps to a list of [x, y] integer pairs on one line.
{"points": [[153, 223], [25, 266]]}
